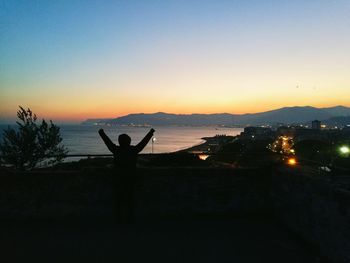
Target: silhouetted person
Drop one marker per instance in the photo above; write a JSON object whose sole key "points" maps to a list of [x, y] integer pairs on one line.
{"points": [[125, 155], [125, 159]]}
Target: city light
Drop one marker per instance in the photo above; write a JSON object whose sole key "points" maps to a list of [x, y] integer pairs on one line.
{"points": [[203, 156], [344, 149], [153, 140], [292, 161]]}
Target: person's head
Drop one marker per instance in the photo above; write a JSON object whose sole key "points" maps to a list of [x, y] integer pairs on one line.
{"points": [[124, 140]]}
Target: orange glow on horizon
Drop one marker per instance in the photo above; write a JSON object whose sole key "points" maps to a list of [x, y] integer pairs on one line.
{"points": [[86, 111]]}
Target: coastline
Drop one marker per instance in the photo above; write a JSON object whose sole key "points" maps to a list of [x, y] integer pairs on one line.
{"points": [[201, 147], [209, 144]]}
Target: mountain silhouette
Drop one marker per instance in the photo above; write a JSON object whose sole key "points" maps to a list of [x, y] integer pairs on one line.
{"points": [[286, 115]]}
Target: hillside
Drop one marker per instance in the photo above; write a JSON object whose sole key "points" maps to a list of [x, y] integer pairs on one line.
{"points": [[286, 115]]}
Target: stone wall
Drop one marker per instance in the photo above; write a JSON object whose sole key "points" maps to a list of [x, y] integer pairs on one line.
{"points": [[316, 207], [163, 192]]}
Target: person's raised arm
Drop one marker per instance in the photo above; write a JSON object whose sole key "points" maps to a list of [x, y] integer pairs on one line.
{"points": [[142, 144], [110, 145]]}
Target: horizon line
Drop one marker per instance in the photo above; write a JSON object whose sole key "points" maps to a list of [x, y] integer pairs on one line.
{"points": [[6, 121]]}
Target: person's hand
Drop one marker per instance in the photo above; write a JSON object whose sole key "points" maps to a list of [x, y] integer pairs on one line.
{"points": [[100, 131], [152, 130]]}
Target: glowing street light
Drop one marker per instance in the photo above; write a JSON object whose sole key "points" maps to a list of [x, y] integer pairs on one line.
{"points": [[153, 140], [344, 149], [292, 161]]}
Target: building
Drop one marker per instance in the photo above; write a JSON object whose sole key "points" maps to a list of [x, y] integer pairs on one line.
{"points": [[257, 133], [316, 125]]}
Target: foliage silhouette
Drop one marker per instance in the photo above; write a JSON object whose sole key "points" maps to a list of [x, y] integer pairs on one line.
{"points": [[29, 144]]}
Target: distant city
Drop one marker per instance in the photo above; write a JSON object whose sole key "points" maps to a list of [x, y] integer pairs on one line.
{"points": [[332, 117], [314, 146]]}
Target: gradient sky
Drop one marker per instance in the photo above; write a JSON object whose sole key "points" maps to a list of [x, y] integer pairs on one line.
{"points": [[71, 60]]}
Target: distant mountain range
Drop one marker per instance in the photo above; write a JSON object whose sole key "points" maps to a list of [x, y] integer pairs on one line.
{"points": [[286, 115]]}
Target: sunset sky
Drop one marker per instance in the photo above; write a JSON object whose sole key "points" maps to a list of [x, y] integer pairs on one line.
{"points": [[72, 60]]}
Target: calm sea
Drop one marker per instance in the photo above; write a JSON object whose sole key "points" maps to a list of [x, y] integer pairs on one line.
{"points": [[80, 139]]}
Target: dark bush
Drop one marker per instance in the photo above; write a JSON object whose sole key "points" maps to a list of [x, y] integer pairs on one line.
{"points": [[30, 143]]}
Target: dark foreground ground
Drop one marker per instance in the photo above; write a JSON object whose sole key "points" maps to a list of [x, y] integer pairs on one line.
{"points": [[204, 240]]}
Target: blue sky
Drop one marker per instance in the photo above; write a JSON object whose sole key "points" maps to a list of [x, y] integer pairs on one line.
{"points": [[79, 59]]}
